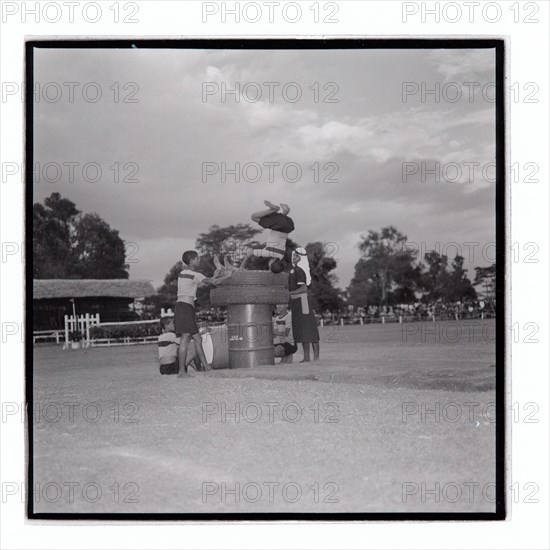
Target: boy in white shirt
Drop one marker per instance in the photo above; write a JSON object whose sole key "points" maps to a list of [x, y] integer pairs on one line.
{"points": [[184, 311]]}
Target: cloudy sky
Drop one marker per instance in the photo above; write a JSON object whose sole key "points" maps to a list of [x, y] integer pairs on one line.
{"points": [[368, 133]]}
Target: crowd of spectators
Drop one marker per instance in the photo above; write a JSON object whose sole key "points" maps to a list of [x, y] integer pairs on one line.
{"points": [[376, 314], [408, 312]]}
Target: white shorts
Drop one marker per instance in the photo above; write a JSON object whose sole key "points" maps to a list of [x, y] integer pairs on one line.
{"points": [[269, 252], [275, 245]]}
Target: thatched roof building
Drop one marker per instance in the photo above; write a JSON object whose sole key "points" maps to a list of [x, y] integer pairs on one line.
{"points": [[113, 299], [44, 289]]}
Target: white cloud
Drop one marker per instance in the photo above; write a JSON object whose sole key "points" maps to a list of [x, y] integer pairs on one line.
{"points": [[170, 132]]}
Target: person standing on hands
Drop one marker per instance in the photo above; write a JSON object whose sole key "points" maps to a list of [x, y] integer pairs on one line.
{"points": [[277, 226], [304, 324]]}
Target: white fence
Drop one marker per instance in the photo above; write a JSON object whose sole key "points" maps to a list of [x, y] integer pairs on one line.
{"points": [[82, 324], [46, 336]]}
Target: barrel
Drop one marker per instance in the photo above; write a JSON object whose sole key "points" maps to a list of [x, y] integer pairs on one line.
{"points": [[250, 335], [249, 297], [214, 344]]}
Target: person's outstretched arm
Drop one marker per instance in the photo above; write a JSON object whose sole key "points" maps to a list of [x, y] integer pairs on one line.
{"points": [[215, 280]]}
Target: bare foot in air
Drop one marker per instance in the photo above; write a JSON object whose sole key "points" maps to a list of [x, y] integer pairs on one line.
{"points": [[272, 206], [285, 208]]}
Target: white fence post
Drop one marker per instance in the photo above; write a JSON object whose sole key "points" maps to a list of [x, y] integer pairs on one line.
{"points": [[80, 323], [87, 330], [66, 345]]}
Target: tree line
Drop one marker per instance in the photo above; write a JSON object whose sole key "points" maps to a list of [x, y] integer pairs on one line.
{"points": [[68, 244], [389, 272]]}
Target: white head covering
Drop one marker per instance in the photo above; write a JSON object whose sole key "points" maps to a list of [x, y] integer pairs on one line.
{"points": [[304, 263]]}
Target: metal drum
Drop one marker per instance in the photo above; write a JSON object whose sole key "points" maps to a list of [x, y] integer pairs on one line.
{"points": [[214, 344], [249, 297], [250, 335]]}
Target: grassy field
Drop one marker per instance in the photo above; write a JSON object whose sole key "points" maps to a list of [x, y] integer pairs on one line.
{"points": [[393, 418]]}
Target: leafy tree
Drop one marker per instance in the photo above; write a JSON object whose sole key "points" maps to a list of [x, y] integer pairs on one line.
{"points": [[485, 281], [459, 287], [446, 285], [52, 237], [389, 273], [385, 274], [324, 295], [364, 288], [98, 251], [435, 280], [225, 240], [70, 245]]}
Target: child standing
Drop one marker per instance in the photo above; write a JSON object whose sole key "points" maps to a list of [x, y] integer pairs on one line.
{"points": [[184, 311]]}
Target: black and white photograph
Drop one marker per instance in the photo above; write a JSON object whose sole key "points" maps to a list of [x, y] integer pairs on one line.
{"points": [[266, 279]]}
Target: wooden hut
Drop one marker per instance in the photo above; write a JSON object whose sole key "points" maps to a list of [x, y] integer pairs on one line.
{"points": [[113, 299]]}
